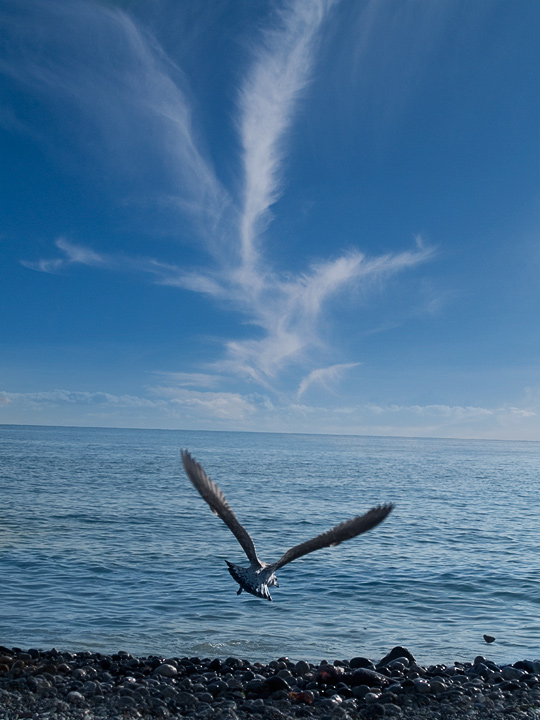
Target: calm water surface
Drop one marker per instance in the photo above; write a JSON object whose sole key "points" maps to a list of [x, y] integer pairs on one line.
{"points": [[105, 545]]}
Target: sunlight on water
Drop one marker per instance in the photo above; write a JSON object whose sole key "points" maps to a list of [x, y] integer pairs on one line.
{"points": [[105, 545]]}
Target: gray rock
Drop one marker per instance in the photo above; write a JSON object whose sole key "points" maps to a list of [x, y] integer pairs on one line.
{"points": [[217, 686], [421, 685], [123, 702], [185, 699], [301, 667], [74, 697], [437, 686], [89, 688], [512, 673], [205, 697], [391, 709], [371, 697], [166, 670]]}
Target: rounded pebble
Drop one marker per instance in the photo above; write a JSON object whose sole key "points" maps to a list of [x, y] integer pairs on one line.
{"points": [[166, 670], [74, 697]]}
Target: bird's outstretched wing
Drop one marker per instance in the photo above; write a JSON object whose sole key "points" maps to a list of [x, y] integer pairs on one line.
{"points": [[336, 535], [210, 492]]}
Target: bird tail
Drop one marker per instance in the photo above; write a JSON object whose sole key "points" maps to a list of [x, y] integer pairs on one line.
{"points": [[249, 581]]}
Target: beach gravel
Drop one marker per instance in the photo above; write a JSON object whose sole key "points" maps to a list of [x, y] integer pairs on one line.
{"points": [[58, 685]]}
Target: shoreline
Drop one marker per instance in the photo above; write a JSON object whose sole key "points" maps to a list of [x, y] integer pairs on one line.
{"points": [[53, 684]]}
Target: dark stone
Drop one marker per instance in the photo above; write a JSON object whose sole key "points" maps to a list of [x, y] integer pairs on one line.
{"points": [[394, 654], [375, 710], [255, 685], [302, 667], [185, 699], [526, 665], [365, 676], [123, 702], [275, 683], [509, 685], [217, 686], [361, 662]]}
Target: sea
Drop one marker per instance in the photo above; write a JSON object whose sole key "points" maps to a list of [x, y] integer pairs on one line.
{"points": [[105, 545]]}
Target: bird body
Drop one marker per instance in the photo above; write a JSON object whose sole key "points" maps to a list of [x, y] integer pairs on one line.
{"points": [[256, 579], [259, 576]]}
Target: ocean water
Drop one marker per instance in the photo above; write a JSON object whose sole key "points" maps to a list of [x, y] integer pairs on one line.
{"points": [[106, 546]]}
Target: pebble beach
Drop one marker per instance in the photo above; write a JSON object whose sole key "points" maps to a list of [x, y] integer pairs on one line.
{"points": [[38, 684]]}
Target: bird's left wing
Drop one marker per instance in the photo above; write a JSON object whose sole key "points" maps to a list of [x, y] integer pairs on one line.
{"points": [[210, 492], [338, 534]]}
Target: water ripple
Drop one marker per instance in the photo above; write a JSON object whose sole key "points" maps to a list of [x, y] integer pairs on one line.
{"points": [[105, 545]]}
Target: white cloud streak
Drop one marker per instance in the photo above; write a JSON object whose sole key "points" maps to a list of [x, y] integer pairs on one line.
{"points": [[283, 63], [196, 379], [289, 310], [73, 255], [324, 376], [97, 59], [220, 405]]}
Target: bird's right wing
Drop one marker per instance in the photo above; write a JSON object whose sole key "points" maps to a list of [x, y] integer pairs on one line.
{"points": [[210, 492], [338, 534]]}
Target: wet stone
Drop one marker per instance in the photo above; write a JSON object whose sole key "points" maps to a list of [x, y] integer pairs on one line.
{"points": [[166, 670], [186, 699], [394, 654], [391, 709], [361, 662], [217, 686], [74, 697], [510, 672], [301, 667], [125, 701], [422, 686]]}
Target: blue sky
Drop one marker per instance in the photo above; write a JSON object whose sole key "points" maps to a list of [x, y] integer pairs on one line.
{"points": [[306, 216]]}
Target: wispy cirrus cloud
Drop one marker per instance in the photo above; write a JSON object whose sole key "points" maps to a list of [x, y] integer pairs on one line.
{"points": [[221, 405], [282, 65], [73, 254], [324, 376], [289, 310], [285, 309], [98, 60]]}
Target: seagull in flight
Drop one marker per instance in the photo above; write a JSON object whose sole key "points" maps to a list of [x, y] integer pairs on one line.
{"points": [[259, 576]]}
